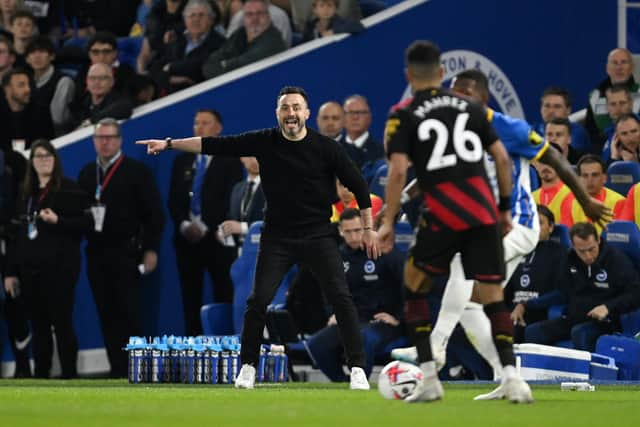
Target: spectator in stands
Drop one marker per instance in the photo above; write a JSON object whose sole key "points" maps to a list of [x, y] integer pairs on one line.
{"points": [[164, 22], [52, 87], [103, 49], [180, 63], [7, 55], [246, 204], [599, 284], [592, 170], [7, 9], [631, 209], [325, 21], [376, 286], [144, 90], [23, 28], [115, 16], [101, 100], [365, 151], [199, 195], [558, 132], [255, 40], [556, 104], [538, 273], [22, 119], [330, 120], [279, 18], [619, 70], [348, 200], [619, 103], [626, 142], [553, 193], [45, 256], [301, 11], [128, 222]]}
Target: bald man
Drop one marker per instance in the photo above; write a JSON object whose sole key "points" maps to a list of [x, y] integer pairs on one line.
{"points": [[330, 120], [619, 69]]}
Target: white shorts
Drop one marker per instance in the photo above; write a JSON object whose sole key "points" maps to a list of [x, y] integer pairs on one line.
{"points": [[518, 242]]}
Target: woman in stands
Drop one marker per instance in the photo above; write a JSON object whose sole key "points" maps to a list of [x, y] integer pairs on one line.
{"points": [[44, 255]]}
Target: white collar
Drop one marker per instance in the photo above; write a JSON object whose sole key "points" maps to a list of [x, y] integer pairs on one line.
{"points": [[359, 141]]}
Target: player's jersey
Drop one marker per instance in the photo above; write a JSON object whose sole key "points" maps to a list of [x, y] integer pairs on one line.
{"points": [[445, 137], [523, 145]]}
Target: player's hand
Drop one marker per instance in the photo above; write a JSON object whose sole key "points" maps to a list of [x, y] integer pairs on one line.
{"points": [[504, 221], [12, 286], [517, 315], [597, 212], [386, 318], [150, 261], [154, 146], [386, 237], [599, 312], [370, 244], [332, 320], [231, 226]]}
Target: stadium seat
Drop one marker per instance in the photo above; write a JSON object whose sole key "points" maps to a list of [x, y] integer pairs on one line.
{"points": [[379, 181], [621, 175], [403, 235], [561, 235], [129, 49], [625, 236], [630, 323], [216, 319]]}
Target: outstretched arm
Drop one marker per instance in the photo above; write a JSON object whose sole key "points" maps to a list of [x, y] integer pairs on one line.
{"points": [[156, 146], [595, 210]]}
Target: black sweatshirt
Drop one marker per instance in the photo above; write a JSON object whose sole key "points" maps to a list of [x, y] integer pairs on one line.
{"points": [[298, 177]]}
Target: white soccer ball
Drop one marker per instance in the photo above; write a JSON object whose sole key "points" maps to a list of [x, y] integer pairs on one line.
{"points": [[398, 379]]}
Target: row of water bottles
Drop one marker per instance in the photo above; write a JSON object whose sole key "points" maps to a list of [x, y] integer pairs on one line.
{"points": [[199, 360], [190, 360]]}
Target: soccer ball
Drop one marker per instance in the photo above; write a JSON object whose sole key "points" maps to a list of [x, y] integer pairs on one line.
{"points": [[398, 379]]}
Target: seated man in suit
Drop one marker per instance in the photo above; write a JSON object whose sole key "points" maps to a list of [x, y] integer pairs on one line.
{"points": [[246, 204]]}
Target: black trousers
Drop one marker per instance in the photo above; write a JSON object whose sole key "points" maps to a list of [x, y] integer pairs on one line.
{"points": [[193, 259], [320, 254], [49, 293], [115, 283]]}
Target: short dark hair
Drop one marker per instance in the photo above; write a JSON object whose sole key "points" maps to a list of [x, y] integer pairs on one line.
{"points": [[423, 58], [583, 230], [103, 37], [560, 121], [41, 43], [6, 79], [546, 212], [293, 89], [213, 112], [559, 91], [349, 213], [628, 116], [591, 158], [618, 87], [477, 76], [22, 13], [7, 41]]}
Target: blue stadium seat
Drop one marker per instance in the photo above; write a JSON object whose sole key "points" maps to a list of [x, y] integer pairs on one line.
{"points": [[630, 323], [379, 181], [622, 175], [216, 319], [561, 235], [129, 49], [625, 236], [403, 235]]}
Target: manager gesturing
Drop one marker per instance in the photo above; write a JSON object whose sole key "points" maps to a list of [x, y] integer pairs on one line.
{"points": [[298, 167]]}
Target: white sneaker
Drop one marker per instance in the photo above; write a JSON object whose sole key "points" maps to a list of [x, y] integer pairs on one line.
{"points": [[358, 379], [246, 377], [405, 354], [430, 388], [497, 394], [517, 390]]}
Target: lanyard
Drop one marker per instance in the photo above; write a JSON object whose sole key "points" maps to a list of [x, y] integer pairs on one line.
{"points": [[41, 196], [101, 187]]}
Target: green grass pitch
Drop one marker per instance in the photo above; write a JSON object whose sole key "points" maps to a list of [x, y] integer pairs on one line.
{"points": [[116, 403]]}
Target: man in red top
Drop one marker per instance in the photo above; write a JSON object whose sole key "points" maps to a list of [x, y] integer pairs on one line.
{"points": [[631, 209], [348, 200]]}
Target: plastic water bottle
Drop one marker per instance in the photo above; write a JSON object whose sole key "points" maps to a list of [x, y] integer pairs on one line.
{"points": [[577, 386], [264, 349]]}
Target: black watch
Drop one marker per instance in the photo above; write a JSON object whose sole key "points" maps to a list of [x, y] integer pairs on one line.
{"points": [[169, 144]]}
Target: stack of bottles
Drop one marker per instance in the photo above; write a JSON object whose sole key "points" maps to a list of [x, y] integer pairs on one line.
{"points": [[272, 365], [190, 360]]}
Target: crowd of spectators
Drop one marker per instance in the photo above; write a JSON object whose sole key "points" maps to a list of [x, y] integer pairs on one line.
{"points": [[67, 69]]}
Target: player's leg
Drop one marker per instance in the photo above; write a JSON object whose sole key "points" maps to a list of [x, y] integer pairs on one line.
{"points": [[275, 258]]}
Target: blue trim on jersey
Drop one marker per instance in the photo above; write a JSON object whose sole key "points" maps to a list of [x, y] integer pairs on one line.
{"points": [[514, 134]]}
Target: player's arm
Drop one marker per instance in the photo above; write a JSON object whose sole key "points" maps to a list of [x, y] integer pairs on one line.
{"points": [[155, 146], [503, 174], [595, 210]]}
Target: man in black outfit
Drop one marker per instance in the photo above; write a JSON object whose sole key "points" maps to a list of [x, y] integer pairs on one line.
{"points": [[198, 201], [128, 219], [298, 168]]}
